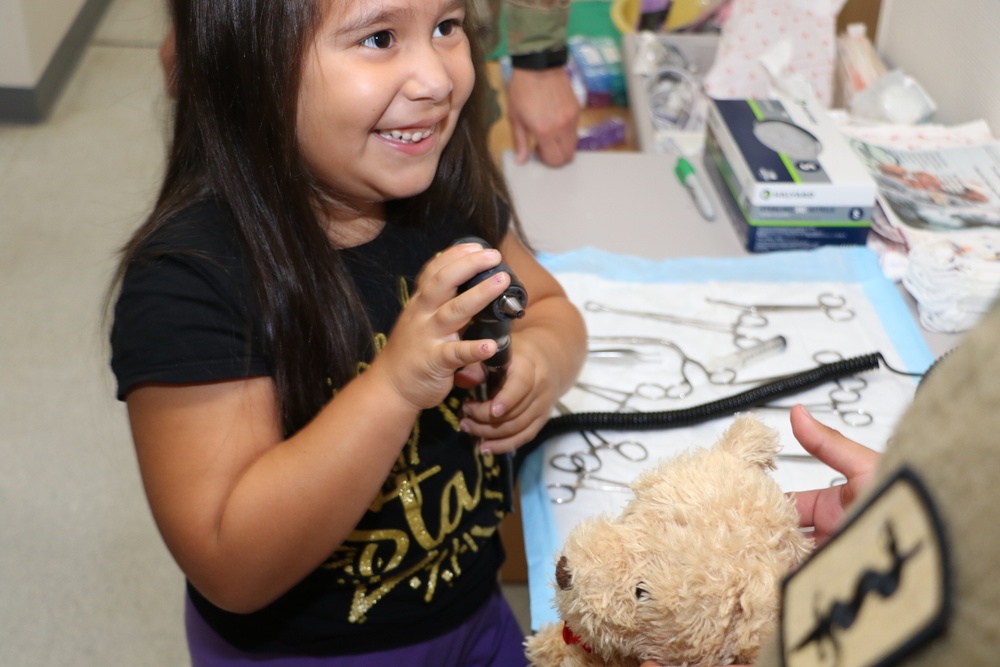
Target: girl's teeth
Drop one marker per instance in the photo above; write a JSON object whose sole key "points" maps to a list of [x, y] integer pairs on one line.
{"points": [[406, 137]]}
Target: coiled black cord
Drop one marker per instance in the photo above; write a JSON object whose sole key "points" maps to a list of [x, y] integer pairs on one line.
{"points": [[665, 419]]}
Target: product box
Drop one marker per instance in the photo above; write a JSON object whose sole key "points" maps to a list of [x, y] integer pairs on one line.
{"points": [[596, 62], [790, 176]]}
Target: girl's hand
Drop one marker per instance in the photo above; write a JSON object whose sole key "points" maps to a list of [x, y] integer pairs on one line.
{"points": [[548, 347], [425, 350], [823, 509], [521, 406]]}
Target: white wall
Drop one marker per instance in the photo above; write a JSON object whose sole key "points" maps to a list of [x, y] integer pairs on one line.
{"points": [[30, 33], [952, 48]]}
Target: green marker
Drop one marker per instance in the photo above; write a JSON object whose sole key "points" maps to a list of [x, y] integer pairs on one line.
{"points": [[689, 179]]}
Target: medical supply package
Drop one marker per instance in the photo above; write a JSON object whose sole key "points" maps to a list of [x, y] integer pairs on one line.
{"points": [[787, 175]]}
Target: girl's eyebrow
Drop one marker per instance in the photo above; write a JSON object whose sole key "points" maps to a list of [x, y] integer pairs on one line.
{"points": [[364, 20]]}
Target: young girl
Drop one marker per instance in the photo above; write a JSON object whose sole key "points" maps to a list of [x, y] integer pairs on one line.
{"points": [[287, 337]]}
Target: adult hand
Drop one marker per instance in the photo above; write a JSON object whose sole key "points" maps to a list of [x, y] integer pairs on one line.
{"points": [[823, 509], [541, 107]]}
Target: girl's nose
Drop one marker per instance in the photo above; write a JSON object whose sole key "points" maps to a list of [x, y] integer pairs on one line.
{"points": [[429, 76]]}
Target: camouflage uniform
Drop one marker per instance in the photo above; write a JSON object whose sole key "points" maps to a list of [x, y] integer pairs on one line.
{"points": [[532, 25]]}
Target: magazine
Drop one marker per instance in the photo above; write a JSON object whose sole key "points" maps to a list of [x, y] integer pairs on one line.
{"points": [[940, 190], [940, 208]]}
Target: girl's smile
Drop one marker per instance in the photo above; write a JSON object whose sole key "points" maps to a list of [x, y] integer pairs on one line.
{"points": [[381, 93]]}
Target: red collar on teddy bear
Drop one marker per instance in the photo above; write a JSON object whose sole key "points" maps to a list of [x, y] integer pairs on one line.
{"points": [[572, 638]]}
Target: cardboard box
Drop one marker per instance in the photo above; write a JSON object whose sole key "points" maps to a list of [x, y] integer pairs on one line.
{"points": [[789, 175]]}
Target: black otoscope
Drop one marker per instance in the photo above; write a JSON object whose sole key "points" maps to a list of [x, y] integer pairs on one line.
{"points": [[494, 321]]}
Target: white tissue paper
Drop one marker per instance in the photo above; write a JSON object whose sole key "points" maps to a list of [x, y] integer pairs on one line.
{"points": [[756, 28]]}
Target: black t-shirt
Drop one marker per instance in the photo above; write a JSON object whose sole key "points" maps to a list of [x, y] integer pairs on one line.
{"points": [[426, 554]]}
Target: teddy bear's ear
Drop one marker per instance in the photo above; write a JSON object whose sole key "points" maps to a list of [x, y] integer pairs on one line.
{"points": [[750, 440]]}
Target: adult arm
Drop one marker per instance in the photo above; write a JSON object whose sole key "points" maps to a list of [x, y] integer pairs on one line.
{"points": [[541, 106]]}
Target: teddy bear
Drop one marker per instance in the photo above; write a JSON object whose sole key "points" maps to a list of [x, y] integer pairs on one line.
{"points": [[689, 573]]}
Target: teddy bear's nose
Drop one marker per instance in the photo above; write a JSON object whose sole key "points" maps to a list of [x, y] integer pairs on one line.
{"points": [[563, 577]]}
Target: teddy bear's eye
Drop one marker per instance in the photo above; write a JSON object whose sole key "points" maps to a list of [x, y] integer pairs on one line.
{"points": [[640, 591]]}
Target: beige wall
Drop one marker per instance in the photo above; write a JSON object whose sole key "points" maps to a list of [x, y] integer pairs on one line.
{"points": [[952, 49], [30, 33]]}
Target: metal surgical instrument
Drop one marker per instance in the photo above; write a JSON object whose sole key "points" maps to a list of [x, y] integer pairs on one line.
{"points": [[564, 492], [846, 392], [616, 355], [832, 305], [740, 339], [630, 450], [742, 357], [655, 391]]}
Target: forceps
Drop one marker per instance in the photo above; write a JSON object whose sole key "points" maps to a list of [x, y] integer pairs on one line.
{"points": [[846, 392], [834, 306], [740, 339], [564, 492], [650, 391], [630, 450], [618, 355], [655, 391]]}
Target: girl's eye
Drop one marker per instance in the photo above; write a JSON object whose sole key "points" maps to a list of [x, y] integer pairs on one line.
{"points": [[380, 40], [446, 28]]}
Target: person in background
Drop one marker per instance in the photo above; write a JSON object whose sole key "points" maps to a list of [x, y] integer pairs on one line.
{"points": [[542, 109], [288, 337]]}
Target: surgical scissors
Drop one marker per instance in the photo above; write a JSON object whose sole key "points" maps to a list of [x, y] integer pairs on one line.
{"points": [[834, 306], [564, 492], [740, 340]]}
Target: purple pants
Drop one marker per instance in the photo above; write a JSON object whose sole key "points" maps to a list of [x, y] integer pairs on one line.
{"points": [[490, 638]]}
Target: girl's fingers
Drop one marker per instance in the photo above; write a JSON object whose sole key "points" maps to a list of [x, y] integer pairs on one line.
{"points": [[502, 442], [456, 265], [440, 283], [466, 353], [470, 376]]}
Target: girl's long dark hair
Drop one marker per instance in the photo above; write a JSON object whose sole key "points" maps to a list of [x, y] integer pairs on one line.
{"points": [[238, 72]]}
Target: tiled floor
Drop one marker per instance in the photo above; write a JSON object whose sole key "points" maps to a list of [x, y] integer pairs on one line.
{"points": [[84, 578]]}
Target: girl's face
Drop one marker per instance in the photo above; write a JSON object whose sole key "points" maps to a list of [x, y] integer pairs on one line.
{"points": [[382, 87]]}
